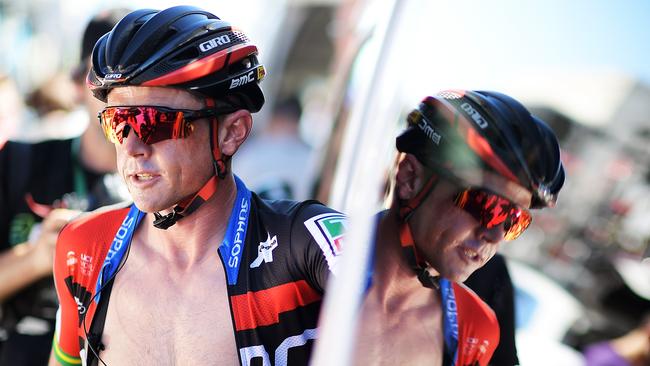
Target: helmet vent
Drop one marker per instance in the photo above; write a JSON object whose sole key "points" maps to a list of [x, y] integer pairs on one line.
{"points": [[239, 36], [163, 68]]}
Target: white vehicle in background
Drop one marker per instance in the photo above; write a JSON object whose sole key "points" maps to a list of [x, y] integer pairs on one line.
{"points": [[544, 313]]}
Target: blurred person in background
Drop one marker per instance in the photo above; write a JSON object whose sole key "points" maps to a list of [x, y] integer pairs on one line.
{"points": [[42, 186], [472, 165], [630, 349], [52, 104], [277, 163], [12, 109]]}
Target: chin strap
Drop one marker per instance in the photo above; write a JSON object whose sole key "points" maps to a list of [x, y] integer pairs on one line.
{"points": [[414, 258], [411, 253], [190, 204], [186, 206]]}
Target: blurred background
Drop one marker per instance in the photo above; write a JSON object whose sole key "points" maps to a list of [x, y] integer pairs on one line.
{"points": [[343, 74]]}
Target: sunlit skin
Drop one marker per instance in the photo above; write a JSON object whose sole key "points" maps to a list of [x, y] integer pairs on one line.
{"points": [[450, 239], [399, 317], [160, 175]]}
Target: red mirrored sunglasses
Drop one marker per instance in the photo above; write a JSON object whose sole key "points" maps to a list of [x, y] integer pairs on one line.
{"points": [[151, 123], [492, 210]]}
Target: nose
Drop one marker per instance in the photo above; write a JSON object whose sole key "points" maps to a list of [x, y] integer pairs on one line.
{"points": [[133, 145], [493, 235]]}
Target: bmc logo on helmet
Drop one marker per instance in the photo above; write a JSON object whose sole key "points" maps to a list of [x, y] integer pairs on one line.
{"points": [[428, 130], [242, 80], [480, 121], [214, 42]]}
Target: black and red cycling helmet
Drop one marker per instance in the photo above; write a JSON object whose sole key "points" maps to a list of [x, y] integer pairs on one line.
{"points": [[458, 130], [187, 48], [183, 47]]}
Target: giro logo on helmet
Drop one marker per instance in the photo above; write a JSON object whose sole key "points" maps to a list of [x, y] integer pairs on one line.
{"points": [[242, 80], [480, 121], [112, 76], [214, 42]]}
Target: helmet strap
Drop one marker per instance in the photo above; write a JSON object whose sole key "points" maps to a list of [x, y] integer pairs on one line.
{"points": [[411, 253], [187, 206], [218, 159], [190, 204]]}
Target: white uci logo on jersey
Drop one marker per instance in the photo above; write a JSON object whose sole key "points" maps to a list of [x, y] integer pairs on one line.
{"points": [[265, 251], [214, 42]]}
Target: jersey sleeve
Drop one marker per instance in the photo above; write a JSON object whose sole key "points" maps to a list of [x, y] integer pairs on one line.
{"points": [[317, 238], [81, 248], [66, 345], [478, 328]]}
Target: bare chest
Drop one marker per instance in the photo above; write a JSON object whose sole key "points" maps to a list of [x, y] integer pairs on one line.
{"points": [[159, 317], [411, 336]]}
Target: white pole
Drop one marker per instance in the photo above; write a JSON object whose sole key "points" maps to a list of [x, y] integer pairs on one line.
{"points": [[356, 190]]}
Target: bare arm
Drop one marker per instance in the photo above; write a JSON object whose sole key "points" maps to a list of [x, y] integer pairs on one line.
{"points": [[52, 361], [27, 262]]}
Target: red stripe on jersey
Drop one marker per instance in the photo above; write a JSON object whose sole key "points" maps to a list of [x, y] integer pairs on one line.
{"points": [[260, 308]]}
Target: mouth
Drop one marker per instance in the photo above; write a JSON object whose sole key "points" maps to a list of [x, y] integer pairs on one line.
{"points": [[143, 176], [470, 254]]}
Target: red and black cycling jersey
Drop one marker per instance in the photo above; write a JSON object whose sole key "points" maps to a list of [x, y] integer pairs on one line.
{"points": [[471, 329], [277, 256]]}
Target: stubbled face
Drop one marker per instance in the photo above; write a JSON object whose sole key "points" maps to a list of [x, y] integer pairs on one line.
{"points": [[160, 175], [450, 239]]}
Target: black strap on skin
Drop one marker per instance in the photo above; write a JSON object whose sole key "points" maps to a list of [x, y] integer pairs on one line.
{"points": [[447, 357], [94, 336], [427, 280], [165, 221]]}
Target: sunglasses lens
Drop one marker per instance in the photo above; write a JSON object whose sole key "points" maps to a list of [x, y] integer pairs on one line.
{"points": [[491, 210], [109, 127], [516, 224], [150, 124]]}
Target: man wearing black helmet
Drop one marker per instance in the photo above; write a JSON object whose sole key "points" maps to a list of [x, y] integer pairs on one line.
{"points": [[471, 165], [198, 270]]}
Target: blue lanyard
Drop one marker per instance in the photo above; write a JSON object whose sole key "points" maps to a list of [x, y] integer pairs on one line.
{"points": [[450, 318], [231, 247], [120, 244]]}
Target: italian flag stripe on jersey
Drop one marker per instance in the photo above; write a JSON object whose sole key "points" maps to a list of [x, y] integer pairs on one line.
{"points": [[62, 357]]}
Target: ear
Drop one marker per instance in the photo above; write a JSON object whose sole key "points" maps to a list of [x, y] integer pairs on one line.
{"points": [[409, 178], [233, 131]]}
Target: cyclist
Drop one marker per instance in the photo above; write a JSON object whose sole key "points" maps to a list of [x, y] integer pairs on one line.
{"points": [[198, 270], [472, 164]]}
